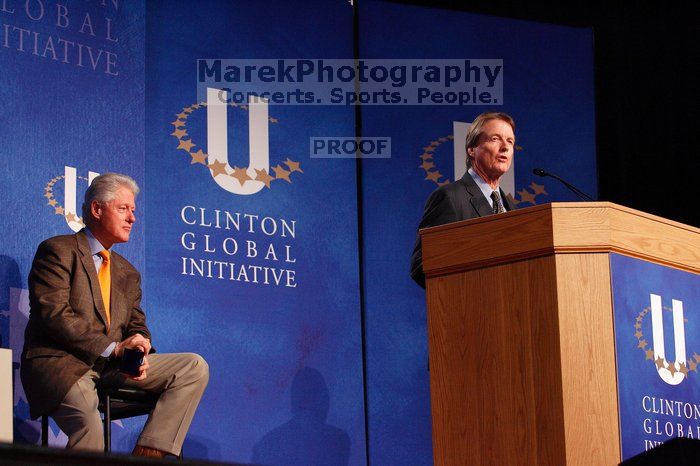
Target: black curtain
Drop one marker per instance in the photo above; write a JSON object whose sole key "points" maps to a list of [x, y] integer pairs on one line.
{"points": [[646, 106]]}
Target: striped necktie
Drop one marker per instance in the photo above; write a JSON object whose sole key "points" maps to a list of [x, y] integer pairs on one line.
{"points": [[497, 204], [104, 276]]}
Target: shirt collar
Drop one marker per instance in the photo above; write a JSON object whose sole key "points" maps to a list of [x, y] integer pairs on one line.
{"points": [[95, 245], [483, 185]]}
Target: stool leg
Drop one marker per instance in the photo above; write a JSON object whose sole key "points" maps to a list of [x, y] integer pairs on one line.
{"points": [[44, 431], [107, 424]]}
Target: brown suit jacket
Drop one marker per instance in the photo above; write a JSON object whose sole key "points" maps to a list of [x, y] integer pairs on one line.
{"points": [[67, 329]]}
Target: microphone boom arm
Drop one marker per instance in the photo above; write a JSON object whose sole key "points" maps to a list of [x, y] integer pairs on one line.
{"points": [[574, 189]]}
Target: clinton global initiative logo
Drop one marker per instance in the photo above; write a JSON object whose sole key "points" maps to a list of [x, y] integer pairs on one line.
{"points": [[671, 372], [435, 149], [243, 180], [68, 182]]}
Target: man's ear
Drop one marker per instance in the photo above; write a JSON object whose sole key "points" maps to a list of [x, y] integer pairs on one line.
{"points": [[96, 209]]}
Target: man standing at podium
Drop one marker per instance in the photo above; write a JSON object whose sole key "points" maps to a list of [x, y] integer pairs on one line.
{"points": [[490, 147], [85, 303]]}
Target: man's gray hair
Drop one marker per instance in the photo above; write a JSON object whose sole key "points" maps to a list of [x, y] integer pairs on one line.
{"points": [[103, 189]]}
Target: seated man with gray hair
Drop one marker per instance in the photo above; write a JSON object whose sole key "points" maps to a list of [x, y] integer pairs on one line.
{"points": [[85, 310]]}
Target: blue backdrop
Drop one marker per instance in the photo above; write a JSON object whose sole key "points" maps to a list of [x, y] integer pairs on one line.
{"points": [[266, 286], [73, 103], [548, 89], [262, 341], [655, 409]]}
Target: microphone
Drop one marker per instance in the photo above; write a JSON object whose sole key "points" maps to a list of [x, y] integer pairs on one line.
{"points": [[574, 189]]}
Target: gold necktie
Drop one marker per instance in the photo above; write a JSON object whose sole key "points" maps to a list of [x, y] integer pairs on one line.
{"points": [[105, 278]]}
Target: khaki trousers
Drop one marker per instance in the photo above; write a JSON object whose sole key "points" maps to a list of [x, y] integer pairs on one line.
{"points": [[180, 378]]}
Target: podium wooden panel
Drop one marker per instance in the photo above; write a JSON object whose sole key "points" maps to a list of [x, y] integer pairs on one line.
{"points": [[520, 322]]}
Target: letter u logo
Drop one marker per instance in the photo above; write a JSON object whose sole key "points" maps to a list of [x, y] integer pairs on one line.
{"points": [[657, 325], [258, 139], [70, 195]]}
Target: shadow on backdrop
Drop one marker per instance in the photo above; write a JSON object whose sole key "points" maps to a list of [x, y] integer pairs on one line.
{"points": [[305, 439]]}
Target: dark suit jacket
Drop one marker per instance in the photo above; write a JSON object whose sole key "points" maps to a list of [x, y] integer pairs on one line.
{"points": [[453, 202], [67, 330]]}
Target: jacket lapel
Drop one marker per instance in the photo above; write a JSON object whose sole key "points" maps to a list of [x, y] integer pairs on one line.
{"points": [[89, 266], [476, 197]]}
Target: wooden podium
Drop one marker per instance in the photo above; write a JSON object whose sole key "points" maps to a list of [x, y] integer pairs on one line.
{"points": [[520, 322]]}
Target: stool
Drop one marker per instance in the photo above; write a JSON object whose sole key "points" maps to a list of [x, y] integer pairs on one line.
{"points": [[115, 403]]}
